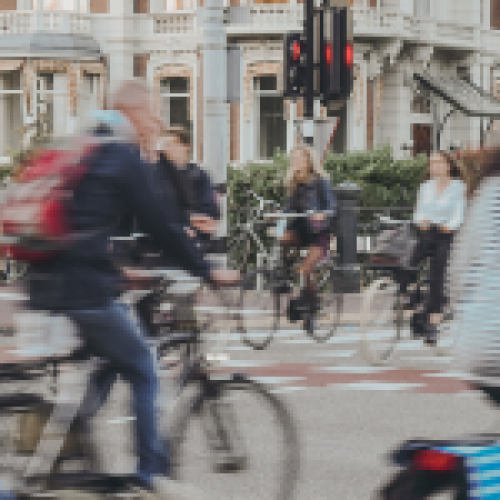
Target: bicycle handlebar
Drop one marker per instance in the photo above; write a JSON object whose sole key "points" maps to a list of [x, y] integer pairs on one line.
{"points": [[304, 214], [394, 222]]}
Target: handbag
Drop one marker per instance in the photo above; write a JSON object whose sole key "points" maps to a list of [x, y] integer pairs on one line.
{"points": [[395, 246]]}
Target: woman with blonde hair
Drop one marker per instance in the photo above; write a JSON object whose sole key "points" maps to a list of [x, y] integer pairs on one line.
{"points": [[308, 189]]}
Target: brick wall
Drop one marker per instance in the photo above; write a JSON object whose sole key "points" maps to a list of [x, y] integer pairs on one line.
{"points": [[8, 4], [141, 6], [99, 6], [370, 98], [234, 134], [495, 14], [141, 65]]}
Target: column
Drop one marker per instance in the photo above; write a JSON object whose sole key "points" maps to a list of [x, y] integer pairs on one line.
{"points": [[121, 60], [395, 123], [61, 108]]}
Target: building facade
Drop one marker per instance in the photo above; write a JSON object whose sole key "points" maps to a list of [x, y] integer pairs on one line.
{"points": [[160, 40]]}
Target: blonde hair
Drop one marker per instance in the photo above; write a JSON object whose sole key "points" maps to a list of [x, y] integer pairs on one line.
{"points": [[131, 93], [315, 167]]}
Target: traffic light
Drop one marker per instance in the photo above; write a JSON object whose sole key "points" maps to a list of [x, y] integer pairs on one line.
{"points": [[295, 65], [337, 54]]}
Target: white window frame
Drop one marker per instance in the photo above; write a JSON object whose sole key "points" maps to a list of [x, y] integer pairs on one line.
{"points": [[81, 6], [166, 94], [257, 95], [6, 159]]}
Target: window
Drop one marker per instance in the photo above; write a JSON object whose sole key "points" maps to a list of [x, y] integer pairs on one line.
{"points": [[422, 8], [421, 102], [10, 112], [175, 98], [270, 119], [70, 5], [172, 5]]}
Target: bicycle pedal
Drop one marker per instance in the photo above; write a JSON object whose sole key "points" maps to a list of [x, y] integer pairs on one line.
{"points": [[227, 462]]}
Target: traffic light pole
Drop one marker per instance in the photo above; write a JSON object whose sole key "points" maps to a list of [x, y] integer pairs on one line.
{"points": [[309, 36]]}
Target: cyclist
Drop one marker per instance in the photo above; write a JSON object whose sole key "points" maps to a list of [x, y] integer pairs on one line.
{"points": [[82, 283], [308, 188], [187, 190]]}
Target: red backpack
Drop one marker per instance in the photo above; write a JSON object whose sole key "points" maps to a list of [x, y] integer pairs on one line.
{"points": [[33, 214]]}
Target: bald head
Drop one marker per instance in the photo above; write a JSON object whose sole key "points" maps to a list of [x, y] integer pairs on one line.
{"points": [[132, 94], [133, 100]]}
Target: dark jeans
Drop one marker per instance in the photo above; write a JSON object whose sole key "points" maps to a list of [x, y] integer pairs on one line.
{"points": [[111, 334], [436, 245]]}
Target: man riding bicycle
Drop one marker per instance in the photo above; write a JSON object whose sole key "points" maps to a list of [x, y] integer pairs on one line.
{"points": [[82, 282]]}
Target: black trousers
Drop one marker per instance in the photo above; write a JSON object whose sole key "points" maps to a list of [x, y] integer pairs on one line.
{"points": [[434, 244]]}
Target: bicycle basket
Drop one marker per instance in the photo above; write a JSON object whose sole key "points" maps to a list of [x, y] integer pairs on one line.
{"points": [[395, 246]]}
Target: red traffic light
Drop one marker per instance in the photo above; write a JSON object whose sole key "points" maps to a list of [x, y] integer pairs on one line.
{"points": [[296, 50], [349, 54], [328, 54]]}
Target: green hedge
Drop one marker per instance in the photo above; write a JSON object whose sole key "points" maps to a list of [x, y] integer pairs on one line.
{"points": [[384, 180]]}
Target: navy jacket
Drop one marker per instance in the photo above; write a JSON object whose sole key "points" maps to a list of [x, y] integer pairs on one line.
{"points": [[117, 184], [318, 195]]}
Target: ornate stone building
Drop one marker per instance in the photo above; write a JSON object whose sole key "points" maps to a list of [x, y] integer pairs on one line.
{"points": [[160, 40]]}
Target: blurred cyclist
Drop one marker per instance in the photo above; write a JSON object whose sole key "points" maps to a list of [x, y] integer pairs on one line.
{"points": [[82, 282], [308, 189]]}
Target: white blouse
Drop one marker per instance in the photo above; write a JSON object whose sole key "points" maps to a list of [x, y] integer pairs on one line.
{"points": [[446, 209]]}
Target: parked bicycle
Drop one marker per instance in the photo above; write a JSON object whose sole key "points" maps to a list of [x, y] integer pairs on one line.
{"points": [[384, 318], [248, 240], [269, 293], [228, 434]]}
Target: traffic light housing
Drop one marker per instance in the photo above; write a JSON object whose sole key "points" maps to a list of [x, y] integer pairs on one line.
{"points": [[336, 54], [294, 65]]}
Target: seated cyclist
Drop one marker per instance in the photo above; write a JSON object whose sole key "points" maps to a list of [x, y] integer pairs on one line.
{"points": [[308, 189]]}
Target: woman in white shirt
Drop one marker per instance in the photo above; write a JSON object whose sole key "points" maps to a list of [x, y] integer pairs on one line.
{"points": [[438, 215]]}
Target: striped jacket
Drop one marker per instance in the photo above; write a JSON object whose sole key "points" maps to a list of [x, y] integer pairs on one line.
{"points": [[474, 286]]}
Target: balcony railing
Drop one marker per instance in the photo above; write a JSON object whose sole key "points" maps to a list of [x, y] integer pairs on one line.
{"points": [[45, 21], [177, 22]]}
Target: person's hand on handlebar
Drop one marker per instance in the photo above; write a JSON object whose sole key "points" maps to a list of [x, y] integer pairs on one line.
{"points": [[204, 223], [225, 277], [318, 217]]}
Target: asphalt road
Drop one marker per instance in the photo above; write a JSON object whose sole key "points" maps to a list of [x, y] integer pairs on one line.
{"points": [[348, 414]]}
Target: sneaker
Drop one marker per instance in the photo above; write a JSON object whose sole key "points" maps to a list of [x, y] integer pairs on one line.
{"points": [[165, 488]]}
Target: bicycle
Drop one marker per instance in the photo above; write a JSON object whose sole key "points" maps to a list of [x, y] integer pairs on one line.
{"points": [[247, 239], [213, 407], [266, 291], [462, 468], [383, 317]]}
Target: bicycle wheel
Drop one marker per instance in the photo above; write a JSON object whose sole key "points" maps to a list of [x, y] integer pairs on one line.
{"points": [[327, 319], [381, 320], [236, 440], [259, 308]]}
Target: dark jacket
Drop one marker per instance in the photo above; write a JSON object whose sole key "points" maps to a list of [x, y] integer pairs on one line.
{"points": [[199, 197], [316, 195], [116, 184]]}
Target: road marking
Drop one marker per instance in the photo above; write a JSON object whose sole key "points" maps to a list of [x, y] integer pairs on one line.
{"points": [[245, 364], [335, 354], [354, 369], [440, 359], [369, 385], [459, 375], [277, 380]]}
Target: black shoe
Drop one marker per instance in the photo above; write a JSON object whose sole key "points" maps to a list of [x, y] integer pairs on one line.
{"points": [[430, 334], [310, 323]]}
